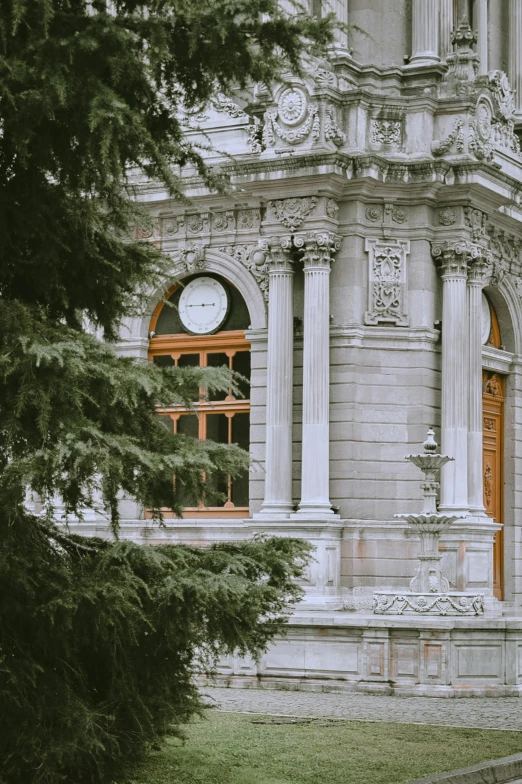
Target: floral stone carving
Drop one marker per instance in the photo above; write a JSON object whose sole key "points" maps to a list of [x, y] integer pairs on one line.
{"points": [[292, 212], [387, 281], [387, 132]]}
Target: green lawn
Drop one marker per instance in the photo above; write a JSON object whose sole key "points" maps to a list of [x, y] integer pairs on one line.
{"points": [[229, 748]]}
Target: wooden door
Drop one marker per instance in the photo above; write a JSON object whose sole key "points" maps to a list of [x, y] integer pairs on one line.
{"points": [[493, 449]]}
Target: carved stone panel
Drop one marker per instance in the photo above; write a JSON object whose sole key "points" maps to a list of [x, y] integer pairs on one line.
{"points": [[387, 281]]}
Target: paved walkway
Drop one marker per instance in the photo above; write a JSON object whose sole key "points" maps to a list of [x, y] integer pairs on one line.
{"points": [[496, 713]]}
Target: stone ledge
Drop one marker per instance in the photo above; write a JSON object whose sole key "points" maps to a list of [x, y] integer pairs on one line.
{"points": [[507, 770]]}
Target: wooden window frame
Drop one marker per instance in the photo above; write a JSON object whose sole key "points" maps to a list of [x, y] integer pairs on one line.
{"points": [[230, 343]]}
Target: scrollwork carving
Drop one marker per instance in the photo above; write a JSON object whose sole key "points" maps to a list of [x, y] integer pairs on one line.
{"points": [[456, 137], [387, 279], [332, 132]]}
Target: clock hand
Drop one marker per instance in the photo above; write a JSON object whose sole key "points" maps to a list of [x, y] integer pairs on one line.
{"points": [[202, 305]]}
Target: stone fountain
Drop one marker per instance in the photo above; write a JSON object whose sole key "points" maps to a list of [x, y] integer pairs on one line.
{"points": [[429, 592]]}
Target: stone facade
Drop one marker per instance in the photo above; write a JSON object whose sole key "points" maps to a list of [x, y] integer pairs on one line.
{"points": [[373, 201]]}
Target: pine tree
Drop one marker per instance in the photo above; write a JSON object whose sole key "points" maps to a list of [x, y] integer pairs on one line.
{"points": [[98, 640]]}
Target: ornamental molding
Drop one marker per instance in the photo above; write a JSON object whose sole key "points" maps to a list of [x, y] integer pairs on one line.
{"points": [[291, 213], [212, 223], [476, 221], [332, 131], [192, 257], [388, 214], [226, 106], [387, 281], [503, 94], [317, 248], [255, 258], [428, 604], [332, 209]]}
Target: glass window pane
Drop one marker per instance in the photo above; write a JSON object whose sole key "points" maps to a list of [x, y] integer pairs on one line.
{"points": [[217, 428], [189, 360], [241, 436], [217, 360], [166, 421], [188, 425], [163, 360], [241, 364]]}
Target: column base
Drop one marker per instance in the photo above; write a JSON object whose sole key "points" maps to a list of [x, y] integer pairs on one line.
{"points": [[315, 512], [274, 512], [423, 59]]}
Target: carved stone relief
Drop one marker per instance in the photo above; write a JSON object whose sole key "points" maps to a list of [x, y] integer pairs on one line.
{"points": [[223, 221], [294, 120], [387, 281], [292, 212], [476, 220], [447, 216], [386, 132], [454, 139]]}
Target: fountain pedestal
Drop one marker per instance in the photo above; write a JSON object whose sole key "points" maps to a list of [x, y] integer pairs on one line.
{"points": [[429, 592]]}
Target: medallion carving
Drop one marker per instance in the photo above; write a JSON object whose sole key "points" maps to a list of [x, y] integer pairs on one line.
{"points": [[374, 213], [172, 225], [332, 208], [248, 219], [223, 221], [294, 119], [447, 216], [489, 424], [387, 281]]}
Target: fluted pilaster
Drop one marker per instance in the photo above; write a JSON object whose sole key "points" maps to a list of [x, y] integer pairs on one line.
{"points": [[480, 24], [478, 274], [454, 259], [425, 32], [515, 52], [340, 9], [446, 26], [318, 250], [279, 387]]}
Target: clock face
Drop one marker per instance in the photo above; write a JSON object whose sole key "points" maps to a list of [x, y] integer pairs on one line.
{"points": [[203, 306], [486, 320]]}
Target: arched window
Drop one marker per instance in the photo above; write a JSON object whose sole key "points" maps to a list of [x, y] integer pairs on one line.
{"points": [[206, 327]]}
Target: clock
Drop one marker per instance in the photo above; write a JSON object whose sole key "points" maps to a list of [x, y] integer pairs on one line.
{"points": [[203, 306], [486, 320]]}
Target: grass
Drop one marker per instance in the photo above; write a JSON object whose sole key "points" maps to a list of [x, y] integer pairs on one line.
{"points": [[229, 748]]}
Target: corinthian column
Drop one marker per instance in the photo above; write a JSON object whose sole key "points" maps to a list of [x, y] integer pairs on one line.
{"points": [[515, 52], [454, 258], [279, 382], [479, 271], [425, 32], [480, 24], [318, 250]]}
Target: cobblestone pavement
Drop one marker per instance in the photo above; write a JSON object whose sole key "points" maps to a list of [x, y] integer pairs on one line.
{"points": [[504, 713]]}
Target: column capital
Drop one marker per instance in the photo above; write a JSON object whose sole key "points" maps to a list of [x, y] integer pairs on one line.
{"points": [[278, 251], [454, 257], [480, 270], [318, 248]]}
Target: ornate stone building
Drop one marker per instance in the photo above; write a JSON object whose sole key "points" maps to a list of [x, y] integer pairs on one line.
{"points": [[365, 274]]}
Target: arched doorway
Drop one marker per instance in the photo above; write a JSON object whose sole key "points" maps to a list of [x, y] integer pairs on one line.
{"points": [[493, 387], [184, 334]]}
